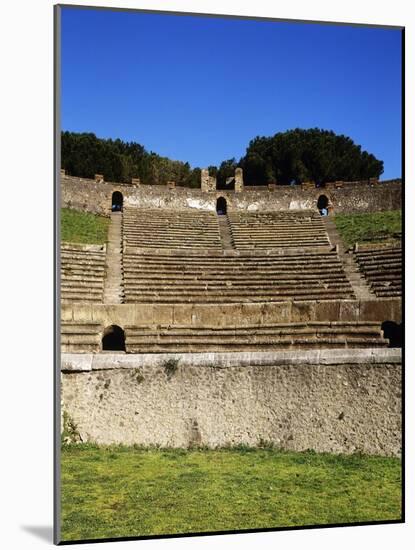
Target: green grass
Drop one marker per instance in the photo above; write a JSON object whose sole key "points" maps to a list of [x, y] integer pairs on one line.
{"points": [[83, 227], [370, 227], [127, 491]]}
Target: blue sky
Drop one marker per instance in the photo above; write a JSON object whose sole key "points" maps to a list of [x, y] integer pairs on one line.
{"points": [[198, 89]]}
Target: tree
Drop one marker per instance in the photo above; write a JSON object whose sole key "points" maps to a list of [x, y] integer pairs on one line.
{"points": [[300, 155]]}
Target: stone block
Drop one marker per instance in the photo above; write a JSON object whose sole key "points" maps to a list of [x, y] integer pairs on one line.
{"points": [[277, 312], [397, 310], [182, 314], [376, 310], [66, 313], [162, 315], [239, 180], [251, 314], [206, 315], [328, 311], [83, 313], [349, 310], [143, 314], [303, 311]]}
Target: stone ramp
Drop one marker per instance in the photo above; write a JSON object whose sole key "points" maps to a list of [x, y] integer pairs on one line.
{"points": [[113, 284], [360, 286], [382, 268]]}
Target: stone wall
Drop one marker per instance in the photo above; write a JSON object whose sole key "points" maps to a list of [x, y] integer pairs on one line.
{"points": [[338, 401], [387, 309], [92, 196]]}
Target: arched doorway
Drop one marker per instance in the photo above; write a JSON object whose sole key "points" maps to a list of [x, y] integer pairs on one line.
{"points": [[116, 202], [393, 332], [322, 205], [221, 207], [113, 339]]}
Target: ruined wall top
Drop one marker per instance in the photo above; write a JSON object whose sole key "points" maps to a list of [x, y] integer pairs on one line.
{"points": [[95, 196]]}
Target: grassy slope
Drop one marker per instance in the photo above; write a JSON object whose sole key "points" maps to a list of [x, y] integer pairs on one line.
{"points": [[120, 491], [370, 227], [83, 227]]}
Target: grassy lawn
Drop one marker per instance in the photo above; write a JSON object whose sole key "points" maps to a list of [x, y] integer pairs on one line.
{"points": [[83, 227], [127, 491], [370, 227]]}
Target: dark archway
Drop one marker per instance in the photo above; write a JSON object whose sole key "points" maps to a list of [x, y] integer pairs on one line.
{"points": [[221, 206], [393, 332], [116, 202], [322, 205], [113, 339]]}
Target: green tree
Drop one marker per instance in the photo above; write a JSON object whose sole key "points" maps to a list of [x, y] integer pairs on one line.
{"points": [[301, 155]]}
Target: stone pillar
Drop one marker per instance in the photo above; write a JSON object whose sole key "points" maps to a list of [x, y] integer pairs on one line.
{"points": [[207, 183], [135, 182], [239, 180], [204, 179], [212, 183], [99, 178]]}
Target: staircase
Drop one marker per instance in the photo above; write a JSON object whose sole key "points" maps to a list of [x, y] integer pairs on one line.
{"points": [[113, 284], [359, 284], [225, 232]]}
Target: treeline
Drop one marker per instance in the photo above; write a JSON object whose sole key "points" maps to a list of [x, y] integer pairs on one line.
{"points": [[85, 155], [290, 157]]}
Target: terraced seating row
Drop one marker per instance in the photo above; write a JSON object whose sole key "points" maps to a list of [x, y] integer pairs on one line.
{"points": [[312, 335], [81, 337], [85, 337], [382, 267], [162, 278], [82, 273], [298, 229], [157, 228]]}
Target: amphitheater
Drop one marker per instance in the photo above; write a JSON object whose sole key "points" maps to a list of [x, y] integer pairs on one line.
{"points": [[220, 318]]}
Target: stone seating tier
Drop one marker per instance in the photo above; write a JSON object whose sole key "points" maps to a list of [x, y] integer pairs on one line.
{"points": [[169, 279], [382, 268], [312, 335], [156, 228], [277, 229], [85, 337], [80, 337], [82, 273]]}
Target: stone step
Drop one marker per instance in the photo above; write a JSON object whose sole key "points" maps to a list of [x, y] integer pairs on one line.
{"points": [[131, 286], [230, 299], [295, 343], [243, 278]]}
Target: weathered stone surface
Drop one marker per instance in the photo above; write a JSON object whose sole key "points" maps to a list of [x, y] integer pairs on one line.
{"points": [[81, 193], [242, 314], [349, 310], [328, 311], [373, 310], [295, 401], [303, 311], [239, 180]]}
